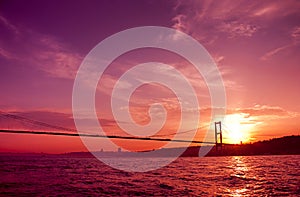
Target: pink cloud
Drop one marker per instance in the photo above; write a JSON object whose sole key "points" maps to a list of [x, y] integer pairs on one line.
{"points": [[296, 34], [206, 19], [238, 29], [179, 23], [6, 54], [273, 52], [265, 112]]}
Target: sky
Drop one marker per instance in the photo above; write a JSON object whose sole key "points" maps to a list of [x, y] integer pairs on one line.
{"points": [[255, 45]]}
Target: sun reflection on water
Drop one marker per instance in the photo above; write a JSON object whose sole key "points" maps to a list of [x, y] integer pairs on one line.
{"points": [[239, 166], [240, 170]]}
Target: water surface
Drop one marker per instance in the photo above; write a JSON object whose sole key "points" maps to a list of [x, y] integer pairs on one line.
{"points": [[208, 176]]}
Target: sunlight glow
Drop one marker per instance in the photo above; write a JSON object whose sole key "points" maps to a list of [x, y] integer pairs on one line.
{"points": [[237, 128]]}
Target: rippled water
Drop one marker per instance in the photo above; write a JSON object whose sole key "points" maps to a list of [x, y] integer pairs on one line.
{"points": [[209, 176]]}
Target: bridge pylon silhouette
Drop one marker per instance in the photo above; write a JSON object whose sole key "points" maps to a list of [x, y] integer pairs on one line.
{"points": [[218, 133]]}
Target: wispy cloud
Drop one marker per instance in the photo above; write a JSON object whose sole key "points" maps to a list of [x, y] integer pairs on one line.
{"points": [[295, 41], [295, 34], [235, 29], [179, 23], [277, 9], [265, 112], [6, 54], [209, 21], [9, 25], [206, 19], [55, 58], [273, 52], [42, 52]]}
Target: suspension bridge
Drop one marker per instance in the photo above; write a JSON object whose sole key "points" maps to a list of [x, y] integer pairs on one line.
{"points": [[63, 131]]}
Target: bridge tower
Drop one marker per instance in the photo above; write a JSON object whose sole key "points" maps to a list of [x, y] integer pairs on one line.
{"points": [[218, 132]]}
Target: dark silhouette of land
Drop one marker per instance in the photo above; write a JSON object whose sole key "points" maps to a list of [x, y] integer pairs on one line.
{"points": [[288, 145]]}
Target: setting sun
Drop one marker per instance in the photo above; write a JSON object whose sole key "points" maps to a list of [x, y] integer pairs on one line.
{"points": [[237, 128]]}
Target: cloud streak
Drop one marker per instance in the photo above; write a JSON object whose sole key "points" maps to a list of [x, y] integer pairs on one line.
{"points": [[213, 22], [43, 52]]}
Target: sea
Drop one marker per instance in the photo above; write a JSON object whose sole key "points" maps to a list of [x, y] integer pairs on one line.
{"points": [[56, 175]]}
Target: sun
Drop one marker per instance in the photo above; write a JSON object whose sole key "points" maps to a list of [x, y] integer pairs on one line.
{"points": [[236, 128], [235, 134]]}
